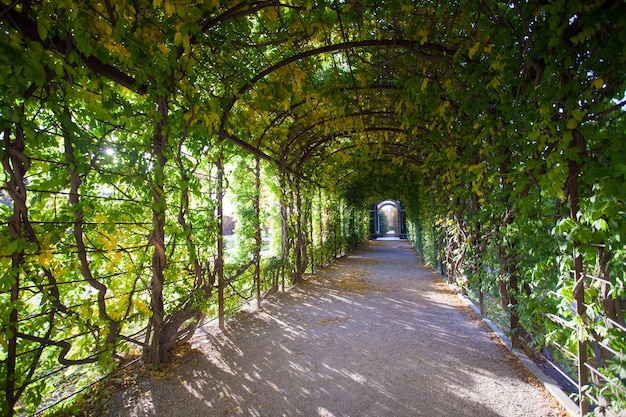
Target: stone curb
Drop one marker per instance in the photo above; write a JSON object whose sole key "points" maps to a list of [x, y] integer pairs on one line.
{"points": [[565, 401]]}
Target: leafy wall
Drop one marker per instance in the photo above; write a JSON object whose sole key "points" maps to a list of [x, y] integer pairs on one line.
{"points": [[500, 126]]}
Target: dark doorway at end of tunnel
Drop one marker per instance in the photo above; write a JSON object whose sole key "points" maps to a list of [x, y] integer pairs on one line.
{"points": [[387, 220]]}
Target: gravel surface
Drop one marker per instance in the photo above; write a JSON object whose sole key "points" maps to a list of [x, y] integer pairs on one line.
{"points": [[374, 334]]}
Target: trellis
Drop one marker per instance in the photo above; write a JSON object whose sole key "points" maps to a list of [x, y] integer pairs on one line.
{"points": [[472, 116]]}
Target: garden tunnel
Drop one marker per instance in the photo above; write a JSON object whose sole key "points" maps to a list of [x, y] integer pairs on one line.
{"points": [[499, 125]]}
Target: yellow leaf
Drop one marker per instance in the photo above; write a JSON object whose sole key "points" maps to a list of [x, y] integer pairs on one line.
{"points": [[45, 258], [271, 15], [442, 107], [498, 64], [85, 311], [298, 77], [495, 82], [476, 169], [423, 33], [163, 49], [399, 106], [473, 50], [424, 84], [142, 307], [598, 83], [116, 307], [116, 258], [178, 38], [109, 242], [170, 9]]}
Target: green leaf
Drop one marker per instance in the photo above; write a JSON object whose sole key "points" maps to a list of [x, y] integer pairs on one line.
{"points": [[11, 247], [119, 30], [567, 138], [578, 115], [35, 71], [15, 246], [572, 123], [601, 225], [42, 29]]}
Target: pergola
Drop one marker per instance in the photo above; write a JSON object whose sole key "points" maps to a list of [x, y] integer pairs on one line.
{"points": [[496, 128]]}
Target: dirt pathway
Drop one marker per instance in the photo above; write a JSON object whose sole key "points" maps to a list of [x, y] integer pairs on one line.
{"points": [[375, 334]]}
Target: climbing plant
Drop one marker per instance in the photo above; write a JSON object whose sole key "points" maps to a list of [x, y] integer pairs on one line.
{"points": [[534, 172], [123, 127]]}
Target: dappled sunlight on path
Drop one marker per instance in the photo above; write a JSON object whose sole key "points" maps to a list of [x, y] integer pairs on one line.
{"points": [[375, 334]]}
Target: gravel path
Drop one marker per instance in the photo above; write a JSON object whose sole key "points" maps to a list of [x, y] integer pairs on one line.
{"points": [[375, 334]]}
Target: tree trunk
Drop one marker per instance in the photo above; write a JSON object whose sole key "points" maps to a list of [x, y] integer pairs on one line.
{"points": [[258, 239], [79, 238], [513, 315], [311, 241], [15, 166], [153, 354], [579, 278], [219, 262], [300, 246], [322, 260], [284, 217]]}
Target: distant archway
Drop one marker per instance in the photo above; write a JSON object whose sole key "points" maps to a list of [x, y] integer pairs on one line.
{"points": [[387, 219]]}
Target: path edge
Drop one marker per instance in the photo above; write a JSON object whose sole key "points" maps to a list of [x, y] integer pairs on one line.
{"points": [[560, 395]]}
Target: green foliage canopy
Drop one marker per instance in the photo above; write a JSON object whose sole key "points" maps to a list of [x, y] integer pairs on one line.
{"points": [[499, 125]]}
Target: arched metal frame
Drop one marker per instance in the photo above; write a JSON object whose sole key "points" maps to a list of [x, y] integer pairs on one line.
{"points": [[375, 219]]}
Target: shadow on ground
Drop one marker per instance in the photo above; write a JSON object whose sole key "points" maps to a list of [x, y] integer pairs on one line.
{"points": [[375, 334]]}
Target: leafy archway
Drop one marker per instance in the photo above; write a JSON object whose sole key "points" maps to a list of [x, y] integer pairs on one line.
{"points": [[499, 125]]}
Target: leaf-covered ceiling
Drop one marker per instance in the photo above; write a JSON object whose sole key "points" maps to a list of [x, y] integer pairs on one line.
{"points": [[339, 91]]}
